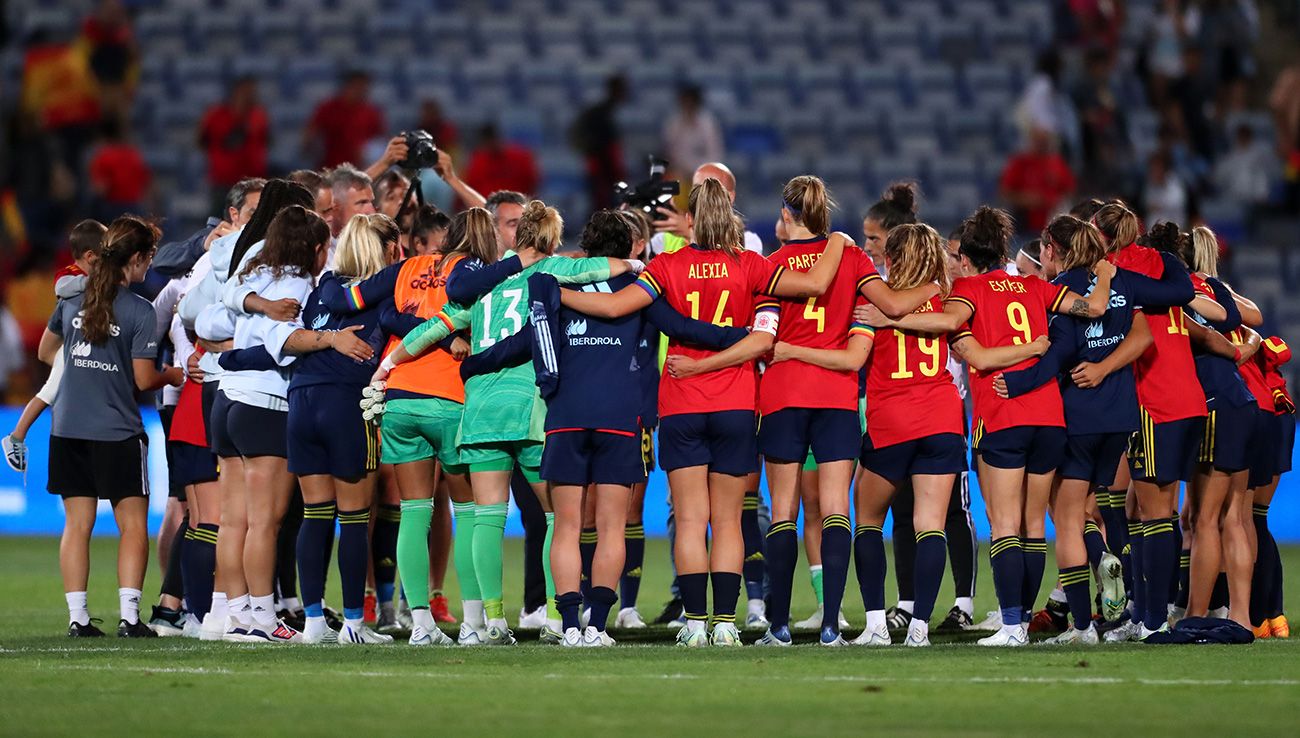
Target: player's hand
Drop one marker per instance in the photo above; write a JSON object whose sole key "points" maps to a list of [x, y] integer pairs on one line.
{"points": [[871, 315], [681, 367], [672, 222], [346, 342], [1104, 268], [1088, 375], [282, 311], [395, 151], [223, 228], [193, 370], [459, 348], [780, 352], [174, 375], [1040, 345], [1000, 386]]}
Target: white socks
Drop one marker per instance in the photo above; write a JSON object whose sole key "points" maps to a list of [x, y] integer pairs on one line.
{"points": [[220, 608], [919, 626], [757, 607], [421, 617], [966, 605], [129, 602], [292, 604], [908, 605], [263, 611], [474, 614], [77, 612], [875, 619], [1057, 596], [695, 626], [238, 609]]}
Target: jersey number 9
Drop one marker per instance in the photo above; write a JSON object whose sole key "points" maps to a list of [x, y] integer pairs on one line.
{"points": [[1018, 317]]}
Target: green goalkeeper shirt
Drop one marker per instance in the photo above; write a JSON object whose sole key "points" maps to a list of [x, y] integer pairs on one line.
{"points": [[504, 405]]}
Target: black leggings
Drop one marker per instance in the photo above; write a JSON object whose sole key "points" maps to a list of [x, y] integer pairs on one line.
{"points": [[959, 528]]}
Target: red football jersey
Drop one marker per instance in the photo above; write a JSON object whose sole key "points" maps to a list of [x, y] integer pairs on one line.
{"points": [[722, 288], [1167, 385], [1273, 353], [910, 393], [820, 323], [1253, 374], [1006, 311]]}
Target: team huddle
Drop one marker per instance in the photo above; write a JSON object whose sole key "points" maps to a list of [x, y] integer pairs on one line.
{"points": [[352, 379]]}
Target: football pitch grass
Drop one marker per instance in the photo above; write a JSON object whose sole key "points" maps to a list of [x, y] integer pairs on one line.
{"points": [[53, 685]]}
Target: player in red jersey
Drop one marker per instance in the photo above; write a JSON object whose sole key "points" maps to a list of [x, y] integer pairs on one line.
{"points": [[707, 422], [1020, 441], [804, 406], [1172, 410], [1266, 588]]}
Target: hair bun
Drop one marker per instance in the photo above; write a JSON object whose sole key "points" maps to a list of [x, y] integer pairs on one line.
{"points": [[990, 225], [903, 196], [535, 210]]}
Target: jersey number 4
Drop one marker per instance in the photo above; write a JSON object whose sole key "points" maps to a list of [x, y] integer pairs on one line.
{"points": [[511, 314]]}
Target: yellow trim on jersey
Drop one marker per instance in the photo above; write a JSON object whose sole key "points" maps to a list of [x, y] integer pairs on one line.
{"points": [[1060, 297], [961, 301], [868, 280], [1275, 344], [977, 434], [776, 277]]}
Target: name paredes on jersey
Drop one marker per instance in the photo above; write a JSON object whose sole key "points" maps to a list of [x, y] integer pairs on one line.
{"points": [[576, 330], [802, 262], [708, 271]]}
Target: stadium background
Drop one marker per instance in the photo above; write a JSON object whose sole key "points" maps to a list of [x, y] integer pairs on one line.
{"points": [[860, 92]]}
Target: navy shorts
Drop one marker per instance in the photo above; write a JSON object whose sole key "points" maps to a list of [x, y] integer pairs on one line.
{"points": [[1038, 449], [175, 488], [1267, 447], [1285, 432], [248, 431], [209, 397], [724, 441], [832, 435], [327, 434], [190, 464], [942, 453], [1164, 453], [584, 456], [1230, 438], [1093, 457]]}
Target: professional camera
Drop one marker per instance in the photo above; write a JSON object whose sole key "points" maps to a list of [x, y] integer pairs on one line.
{"points": [[421, 151], [649, 194]]}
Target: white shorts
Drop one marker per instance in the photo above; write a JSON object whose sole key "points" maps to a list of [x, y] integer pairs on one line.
{"points": [[51, 388]]}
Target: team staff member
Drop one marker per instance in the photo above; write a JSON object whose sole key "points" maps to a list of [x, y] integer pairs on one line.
{"points": [[109, 340], [597, 447], [707, 422], [1267, 612], [501, 424], [1020, 442]]}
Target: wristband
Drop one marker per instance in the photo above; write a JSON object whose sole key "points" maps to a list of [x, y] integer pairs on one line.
{"points": [[388, 364], [635, 266]]}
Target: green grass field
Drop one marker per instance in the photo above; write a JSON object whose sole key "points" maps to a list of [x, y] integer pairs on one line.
{"points": [[52, 685]]}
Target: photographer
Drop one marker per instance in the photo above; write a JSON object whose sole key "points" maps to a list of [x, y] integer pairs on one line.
{"points": [[671, 230], [397, 153]]}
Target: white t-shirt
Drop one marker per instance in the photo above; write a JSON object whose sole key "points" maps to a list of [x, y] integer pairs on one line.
{"points": [[752, 243]]}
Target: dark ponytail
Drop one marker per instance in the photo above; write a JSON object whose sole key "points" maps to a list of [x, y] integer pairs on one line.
{"points": [[292, 241], [985, 237], [277, 195], [896, 207], [125, 237], [809, 203]]}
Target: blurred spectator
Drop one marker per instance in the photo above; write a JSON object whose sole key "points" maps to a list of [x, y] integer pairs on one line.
{"points": [[500, 165], [1185, 160], [1164, 195], [112, 53], [692, 135], [235, 134], [443, 131], [595, 134], [1104, 135], [343, 124], [1170, 30], [1244, 174], [1192, 93], [1284, 100], [119, 176], [60, 96], [1043, 107], [1095, 23], [1036, 181], [1229, 28]]}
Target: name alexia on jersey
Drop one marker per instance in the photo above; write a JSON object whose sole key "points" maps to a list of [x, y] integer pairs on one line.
{"points": [[716, 270]]}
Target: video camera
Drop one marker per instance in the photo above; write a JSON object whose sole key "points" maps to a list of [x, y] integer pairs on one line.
{"points": [[652, 193], [421, 151]]}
